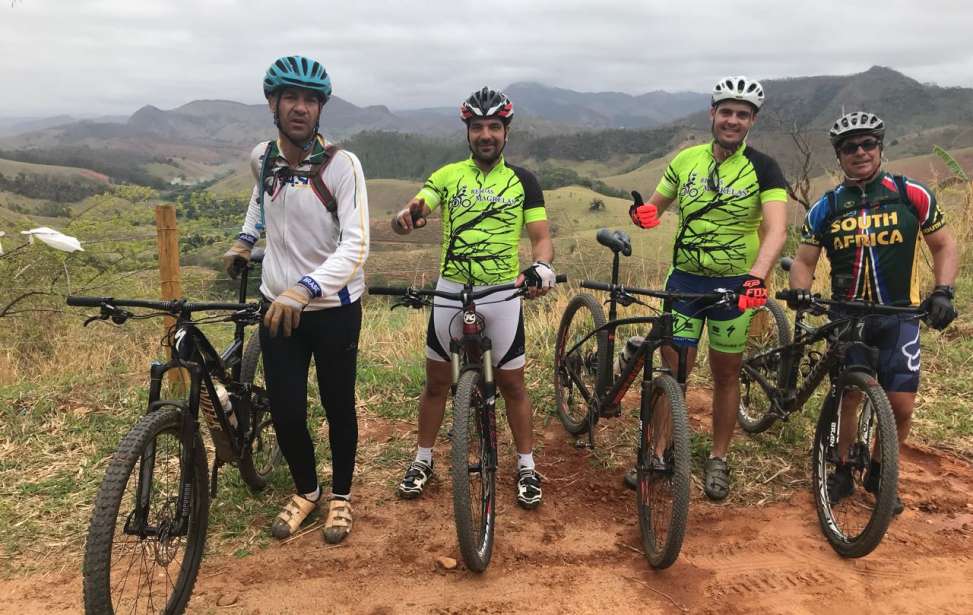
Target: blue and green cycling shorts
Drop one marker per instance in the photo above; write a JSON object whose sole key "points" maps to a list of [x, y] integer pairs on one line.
{"points": [[897, 340], [727, 326]]}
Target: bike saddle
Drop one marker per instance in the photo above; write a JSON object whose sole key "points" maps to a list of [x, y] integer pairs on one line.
{"points": [[618, 241], [786, 262]]}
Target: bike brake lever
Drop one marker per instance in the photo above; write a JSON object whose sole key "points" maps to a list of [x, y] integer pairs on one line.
{"points": [[91, 319]]}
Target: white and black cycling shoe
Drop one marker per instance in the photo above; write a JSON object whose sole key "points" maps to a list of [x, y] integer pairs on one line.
{"points": [[416, 477], [528, 488]]}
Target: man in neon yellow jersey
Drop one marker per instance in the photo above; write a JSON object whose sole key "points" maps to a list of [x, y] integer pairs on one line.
{"points": [[485, 203], [725, 191]]}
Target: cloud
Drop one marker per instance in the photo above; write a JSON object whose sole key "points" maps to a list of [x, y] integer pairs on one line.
{"points": [[113, 56]]}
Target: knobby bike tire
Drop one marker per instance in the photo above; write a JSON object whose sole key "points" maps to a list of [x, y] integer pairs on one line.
{"points": [[124, 467], [586, 314], [886, 451], [255, 472], [475, 513], [662, 551], [753, 413]]}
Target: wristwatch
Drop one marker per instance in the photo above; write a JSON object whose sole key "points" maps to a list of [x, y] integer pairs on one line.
{"points": [[949, 291]]}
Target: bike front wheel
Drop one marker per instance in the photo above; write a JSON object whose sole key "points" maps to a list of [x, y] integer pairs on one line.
{"points": [[856, 461], [474, 472], [261, 454], [142, 554], [769, 329], [662, 467], [578, 365]]}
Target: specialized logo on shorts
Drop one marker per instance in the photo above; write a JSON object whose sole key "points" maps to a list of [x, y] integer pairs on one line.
{"points": [[911, 352]]}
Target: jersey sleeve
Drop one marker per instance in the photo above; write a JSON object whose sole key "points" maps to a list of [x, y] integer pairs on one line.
{"points": [[250, 232], [773, 186], [815, 223], [931, 218], [534, 210], [669, 183], [433, 192]]}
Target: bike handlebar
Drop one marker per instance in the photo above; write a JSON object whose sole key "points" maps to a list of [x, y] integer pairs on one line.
{"points": [[174, 306], [855, 306], [396, 291], [728, 295]]}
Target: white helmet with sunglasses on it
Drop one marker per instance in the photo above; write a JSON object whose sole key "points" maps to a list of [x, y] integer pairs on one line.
{"points": [[856, 123]]}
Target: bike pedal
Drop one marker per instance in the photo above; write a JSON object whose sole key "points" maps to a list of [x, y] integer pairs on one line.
{"points": [[582, 443]]}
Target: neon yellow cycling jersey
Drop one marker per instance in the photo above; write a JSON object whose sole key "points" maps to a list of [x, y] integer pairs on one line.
{"points": [[720, 207], [483, 217]]}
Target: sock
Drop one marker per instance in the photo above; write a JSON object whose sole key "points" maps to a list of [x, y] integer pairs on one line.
{"points": [[525, 461], [313, 496], [424, 455], [341, 496]]}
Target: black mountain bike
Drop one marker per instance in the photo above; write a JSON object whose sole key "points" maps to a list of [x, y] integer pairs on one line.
{"points": [[148, 526], [856, 423], [474, 431], [587, 389]]}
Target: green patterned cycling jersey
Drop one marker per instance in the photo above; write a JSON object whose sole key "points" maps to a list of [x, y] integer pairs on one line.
{"points": [[720, 207], [483, 216]]}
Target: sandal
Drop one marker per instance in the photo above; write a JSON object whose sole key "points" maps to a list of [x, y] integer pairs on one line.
{"points": [[338, 524], [295, 512], [716, 481]]}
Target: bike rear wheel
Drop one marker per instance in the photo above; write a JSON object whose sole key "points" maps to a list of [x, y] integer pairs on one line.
{"points": [[855, 522], [662, 467], [582, 366], [262, 455], [474, 469], [151, 565], [769, 329]]}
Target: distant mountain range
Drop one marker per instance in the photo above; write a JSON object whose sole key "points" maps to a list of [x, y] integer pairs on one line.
{"points": [[552, 123]]}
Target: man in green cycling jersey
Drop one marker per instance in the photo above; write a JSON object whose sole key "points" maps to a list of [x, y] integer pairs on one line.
{"points": [[485, 204], [726, 192], [870, 226]]}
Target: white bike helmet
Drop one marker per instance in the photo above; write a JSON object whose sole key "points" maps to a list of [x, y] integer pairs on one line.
{"points": [[738, 88], [856, 122]]}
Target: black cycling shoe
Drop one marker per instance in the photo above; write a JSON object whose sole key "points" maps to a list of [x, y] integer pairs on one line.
{"points": [[841, 483], [528, 488], [416, 477], [871, 483]]}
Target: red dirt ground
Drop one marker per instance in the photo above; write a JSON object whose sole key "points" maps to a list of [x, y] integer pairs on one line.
{"points": [[578, 553]]}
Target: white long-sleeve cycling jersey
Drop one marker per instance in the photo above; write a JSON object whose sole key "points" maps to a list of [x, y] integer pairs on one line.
{"points": [[305, 244]]}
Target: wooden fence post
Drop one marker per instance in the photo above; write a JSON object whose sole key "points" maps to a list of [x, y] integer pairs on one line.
{"points": [[167, 235]]}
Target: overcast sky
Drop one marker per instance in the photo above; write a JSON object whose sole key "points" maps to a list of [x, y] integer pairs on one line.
{"points": [[113, 56]]}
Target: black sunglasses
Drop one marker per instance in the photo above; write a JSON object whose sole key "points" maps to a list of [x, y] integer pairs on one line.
{"points": [[850, 148]]}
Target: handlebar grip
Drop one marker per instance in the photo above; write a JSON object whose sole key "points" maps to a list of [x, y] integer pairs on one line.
{"points": [[784, 295], [561, 278], [386, 290], [79, 301], [595, 285]]}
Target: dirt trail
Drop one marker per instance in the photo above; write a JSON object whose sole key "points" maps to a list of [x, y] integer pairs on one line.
{"points": [[578, 554]]}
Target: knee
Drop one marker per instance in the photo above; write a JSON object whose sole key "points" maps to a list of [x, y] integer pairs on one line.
{"points": [[437, 385], [513, 391]]}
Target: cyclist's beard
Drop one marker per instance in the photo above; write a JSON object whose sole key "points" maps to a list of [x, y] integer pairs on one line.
{"points": [[487, 159]]}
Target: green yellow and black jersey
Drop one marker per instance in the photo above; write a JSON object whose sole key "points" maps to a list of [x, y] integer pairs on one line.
{"points": [[720, 207], [871, 237], [483, 217]]}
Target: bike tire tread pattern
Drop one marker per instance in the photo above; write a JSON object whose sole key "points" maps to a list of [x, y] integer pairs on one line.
{"points": [[782, 325], [882, 515], [98, 547], [667, 555], [590, 304], [476, 556]]}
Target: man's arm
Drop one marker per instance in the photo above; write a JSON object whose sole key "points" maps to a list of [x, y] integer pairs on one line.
{"points": [[542, 249], [661, 201], [945, 256], [774, 228], [802, 269]]}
